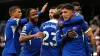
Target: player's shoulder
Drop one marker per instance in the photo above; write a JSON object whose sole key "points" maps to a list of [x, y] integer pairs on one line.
{"points": [[50, 22], [45, 23], [25, 18], [28, 26], [79, 18], [78, 15], [11, 20]]}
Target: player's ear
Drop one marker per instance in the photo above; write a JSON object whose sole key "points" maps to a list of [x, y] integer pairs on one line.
{"points": [[72, 12], [12, 14]]}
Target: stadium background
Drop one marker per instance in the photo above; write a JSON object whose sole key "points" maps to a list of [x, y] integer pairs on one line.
{"points": [[90, 8]]}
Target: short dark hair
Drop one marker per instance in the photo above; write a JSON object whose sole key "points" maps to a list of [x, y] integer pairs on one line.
{"points": [[53, 8], [95, 22], [28, 12], [59, 6], [75, 4], [68, 6], [13, 8]]}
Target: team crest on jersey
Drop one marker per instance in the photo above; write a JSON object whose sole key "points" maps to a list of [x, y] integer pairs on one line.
{"points": [[75, 29]]}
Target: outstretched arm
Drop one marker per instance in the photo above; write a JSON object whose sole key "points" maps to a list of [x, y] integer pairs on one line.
{"points": [[44, 7]]}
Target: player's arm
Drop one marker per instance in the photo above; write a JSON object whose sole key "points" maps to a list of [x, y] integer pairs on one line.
{"points": [[59, 38], [58, 35], [44, 8], [89, 33], [91, 36], [23, 21], [41, 29], [25, 37]]}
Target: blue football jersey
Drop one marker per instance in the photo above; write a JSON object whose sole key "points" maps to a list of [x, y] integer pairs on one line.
{"points": [[12, 44], [31, 47], [75, 46], [49, 45]]}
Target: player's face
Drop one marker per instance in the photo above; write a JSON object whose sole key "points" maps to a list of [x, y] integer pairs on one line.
{"points": [[51, 13], [33, 16], [17, 13], [66, 13]]}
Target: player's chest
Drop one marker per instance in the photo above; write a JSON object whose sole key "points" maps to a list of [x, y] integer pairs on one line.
{"points": [[34, 30], [76, 28]]}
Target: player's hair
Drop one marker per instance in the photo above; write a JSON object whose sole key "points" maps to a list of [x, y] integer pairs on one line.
{"points": [[59, 6], [75, 4], [28, 12], [56, 14], [95, 22], [13, 8], [53, 8], [68, 6]]}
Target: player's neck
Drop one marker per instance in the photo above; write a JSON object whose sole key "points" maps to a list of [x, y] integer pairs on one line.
{"points": [[13, 17], [78, 12], [53, 19]]}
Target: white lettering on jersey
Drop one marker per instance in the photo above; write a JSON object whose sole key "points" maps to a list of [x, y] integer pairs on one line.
{"points": [[46, 26]]}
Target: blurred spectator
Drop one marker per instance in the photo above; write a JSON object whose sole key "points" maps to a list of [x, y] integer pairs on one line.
{"points": [[2, 27], [2, 39], [95, 25]]}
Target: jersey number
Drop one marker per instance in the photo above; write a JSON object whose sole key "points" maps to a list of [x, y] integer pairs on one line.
{"points": [[47, 36]]}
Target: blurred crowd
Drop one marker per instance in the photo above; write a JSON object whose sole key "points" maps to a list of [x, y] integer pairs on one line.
{"points": [[2, 39], [95, 25]]}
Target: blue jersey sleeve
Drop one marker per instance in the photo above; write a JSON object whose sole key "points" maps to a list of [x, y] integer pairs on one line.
{"points": [[24, 21], [85, 26], [39, 13], [74, 20], [41, 28], [58, 36], [25, 30]]}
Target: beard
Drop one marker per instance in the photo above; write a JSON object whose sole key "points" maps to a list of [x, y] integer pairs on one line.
{"points": [[33, 20]]}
